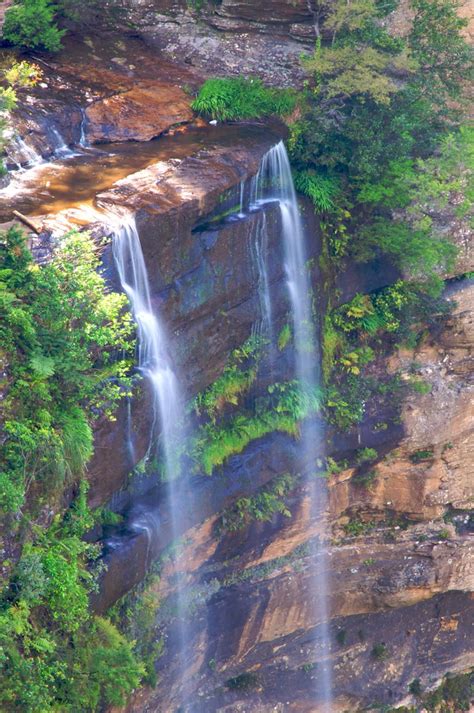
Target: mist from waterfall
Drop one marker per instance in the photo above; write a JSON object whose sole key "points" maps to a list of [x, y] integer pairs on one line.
{"points": [[156, 366], [274, 183]]}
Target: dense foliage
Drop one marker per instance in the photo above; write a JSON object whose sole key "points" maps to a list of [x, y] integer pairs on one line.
{"points": [[30, 23], [54, 654], [65, 341], [240, 98], [381, 150]]}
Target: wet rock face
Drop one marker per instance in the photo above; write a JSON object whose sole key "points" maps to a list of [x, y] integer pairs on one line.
{"points": [[100, 90]]}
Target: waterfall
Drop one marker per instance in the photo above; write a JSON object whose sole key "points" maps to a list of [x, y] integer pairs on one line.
{"points": [[274, 183], [155, 364], [33, 158], [259, 238], [61, 149], [82, 137]]}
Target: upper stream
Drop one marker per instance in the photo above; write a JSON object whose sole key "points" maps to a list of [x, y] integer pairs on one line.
{"points": [[75, 180]]}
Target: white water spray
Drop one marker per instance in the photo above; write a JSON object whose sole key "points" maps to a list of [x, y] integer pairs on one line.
{"points": [[155, 363], [33, 158], [61, 149], [274, 183], [83, 137]]}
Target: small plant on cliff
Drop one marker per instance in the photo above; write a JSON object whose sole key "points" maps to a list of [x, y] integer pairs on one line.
{"points": [[379, 651], [30, 23], [415, 687], [239, 374], [233, 99], [261, 507], [243, 682], [421, 455]]}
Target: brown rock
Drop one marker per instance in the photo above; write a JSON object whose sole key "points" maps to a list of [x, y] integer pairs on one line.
{"points": [[140, 113]]}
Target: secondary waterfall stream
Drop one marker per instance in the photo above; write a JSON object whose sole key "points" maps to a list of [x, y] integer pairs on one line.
{"points": [[156, 366], [274, 183]]}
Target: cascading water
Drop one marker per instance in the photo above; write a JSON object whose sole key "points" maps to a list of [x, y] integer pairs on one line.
{"points": [[33, 158], [82, 137], [274, 183], [259, 239], [61, 149], [155, 364]]}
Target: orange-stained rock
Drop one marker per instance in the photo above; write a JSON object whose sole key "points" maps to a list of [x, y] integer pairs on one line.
{"points": [[140, 113]]}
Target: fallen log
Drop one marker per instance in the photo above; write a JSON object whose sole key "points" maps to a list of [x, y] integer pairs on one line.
{"points": [[26, 221]]}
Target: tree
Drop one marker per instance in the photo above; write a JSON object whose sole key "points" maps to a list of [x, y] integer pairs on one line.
{"points": [[30, 23]]}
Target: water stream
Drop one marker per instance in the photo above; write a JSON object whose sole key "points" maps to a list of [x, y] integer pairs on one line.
{"points": [[156, 366], [274, 183]]}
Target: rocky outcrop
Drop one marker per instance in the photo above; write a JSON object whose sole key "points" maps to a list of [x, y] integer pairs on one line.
{"points": [[231, 37], [99, 90], [202, 282]]}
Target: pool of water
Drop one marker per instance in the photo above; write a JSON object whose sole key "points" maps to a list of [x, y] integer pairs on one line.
{"points": [[76, 180]]}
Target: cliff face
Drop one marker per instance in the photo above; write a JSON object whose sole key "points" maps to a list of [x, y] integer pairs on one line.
{"points": [[399, 555]]}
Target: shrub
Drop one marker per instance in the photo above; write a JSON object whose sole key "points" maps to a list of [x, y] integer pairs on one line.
{"points": [[239, 98], [55, 655], [261, 507], [60, 331], [243, 682], [30, 23], [379, 651], [422, 454]]}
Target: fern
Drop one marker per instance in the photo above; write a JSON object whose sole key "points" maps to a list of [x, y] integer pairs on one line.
{"points": [[76, 436], [240, 98], [42, 366], [323, 190]]}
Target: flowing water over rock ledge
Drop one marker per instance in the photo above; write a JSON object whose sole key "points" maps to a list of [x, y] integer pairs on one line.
{"points": [[250, 590]]}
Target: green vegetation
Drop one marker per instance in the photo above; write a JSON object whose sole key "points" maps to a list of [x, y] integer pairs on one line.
{"points": [[224, 431], [368, 325], [66, 348], [19, 75], [55, 655], [454, 695], [284, 337], [415, 687], [268, 501], [355, 527], [237, 377], [243, 682], [40, 25], [61, 332], [380, 148], [30, 23], [238, 98], [135, 616], [282, 410], [379, 651], [421, 455], [366, 455]]}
